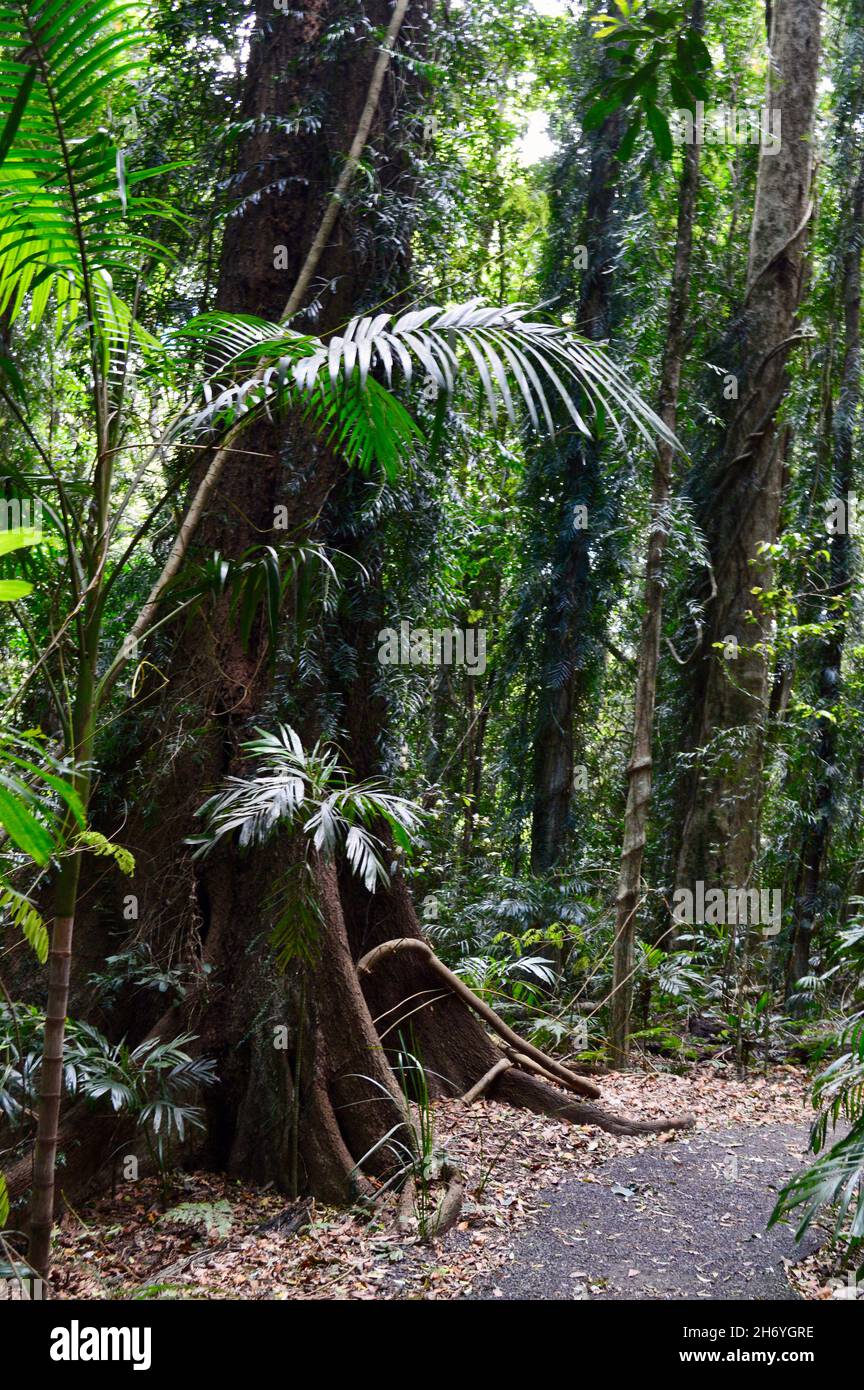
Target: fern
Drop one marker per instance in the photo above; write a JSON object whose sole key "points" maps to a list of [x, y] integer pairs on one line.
{"points": [[26, 918], [101, 845], [67, 203]]}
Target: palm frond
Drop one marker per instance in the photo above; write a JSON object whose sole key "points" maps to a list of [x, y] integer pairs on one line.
{"points": [[835, 1180], [521, 362], [290, 780], [298, 920], [67, 202]]}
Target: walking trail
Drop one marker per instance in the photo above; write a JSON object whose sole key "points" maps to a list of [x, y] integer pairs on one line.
{"points": [[675, 1221]]}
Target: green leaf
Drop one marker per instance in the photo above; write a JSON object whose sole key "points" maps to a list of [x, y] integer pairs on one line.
{"points": [[598, 113], [68, 212], [659, 127], [4, 1202], [680, 94], [24, 829], [59, 784], [13, 120], [660, 23], [13, 376], [696, 86], [17, 538], [698, 50], [28, 921], [101, 845], [625, 149], [12, 589]]}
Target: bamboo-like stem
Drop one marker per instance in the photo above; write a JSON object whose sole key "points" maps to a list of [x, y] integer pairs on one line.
{"points": [[59, 964]]}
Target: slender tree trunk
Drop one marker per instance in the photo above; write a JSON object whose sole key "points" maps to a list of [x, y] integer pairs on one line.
{"points": [[51, 1088], [640, 766], [60, 952]]}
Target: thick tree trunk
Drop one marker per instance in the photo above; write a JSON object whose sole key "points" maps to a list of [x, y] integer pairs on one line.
{"points": [[640, 766], [304, 1089], [567, 601], [843, 423], [741, 507]]}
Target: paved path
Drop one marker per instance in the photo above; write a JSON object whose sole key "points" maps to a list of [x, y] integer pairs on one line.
{"points": [[677, 1221]]}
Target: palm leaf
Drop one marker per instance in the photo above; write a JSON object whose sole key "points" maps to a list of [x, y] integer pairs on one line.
{"points": [[289, 780], [27, 919], [835, 1180], [519, 360], [66, 204]]}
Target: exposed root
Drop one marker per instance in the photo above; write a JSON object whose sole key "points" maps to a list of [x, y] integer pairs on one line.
{"points": [[446, 1214], [90, 1142], [518, 1088], [477, 1090], [406, 1210], [450, 1206], [551, 1067]]}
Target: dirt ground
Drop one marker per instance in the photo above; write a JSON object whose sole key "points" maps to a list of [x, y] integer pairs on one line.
{"points": [[551, 1211]]}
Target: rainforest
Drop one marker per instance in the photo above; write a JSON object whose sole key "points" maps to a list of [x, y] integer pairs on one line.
{"points": [[431, 653]]}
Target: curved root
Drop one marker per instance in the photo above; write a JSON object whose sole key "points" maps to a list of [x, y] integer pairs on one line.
{"points": [[550, 1066]]}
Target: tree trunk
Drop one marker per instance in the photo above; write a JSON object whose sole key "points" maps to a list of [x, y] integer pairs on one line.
{"points": [[567, 601], [843, 423], [79, 743], [740, 508], [640, 765]]}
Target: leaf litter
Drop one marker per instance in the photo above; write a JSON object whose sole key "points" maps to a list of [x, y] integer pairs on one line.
{"points": [[227, 1239]]}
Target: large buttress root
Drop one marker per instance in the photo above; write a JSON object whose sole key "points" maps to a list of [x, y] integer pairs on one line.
{"points": [[517, 1088], [361, 1085], [343, 1128]]}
